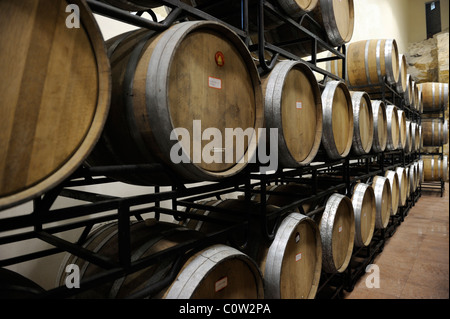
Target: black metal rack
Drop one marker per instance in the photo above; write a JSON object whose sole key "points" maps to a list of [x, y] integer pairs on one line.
{"points": [[100, 208]]}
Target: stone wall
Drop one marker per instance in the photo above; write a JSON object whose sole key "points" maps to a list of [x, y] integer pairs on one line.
{"points": [[428, 60]]}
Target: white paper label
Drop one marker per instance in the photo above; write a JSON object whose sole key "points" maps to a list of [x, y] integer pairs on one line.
{"points": [[298, 256], [221, 284], [298, 105], [214, 83]]}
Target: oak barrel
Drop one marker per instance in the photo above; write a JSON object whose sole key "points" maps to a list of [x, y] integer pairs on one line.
{"points": [[285, 194], [336, 18], [402, 128], [401, 86], [370, 61], [409, 173], [420, 166], [434, 96], [206, 269], [415, 136], [393, 128], [392, 176], [219, 220], [296, 8], [409, 147], [434, 132], [412, 178], [416, 96], [383, 201], [408, 94], [362, 123], [364, 208], [55, 102], [14, 285], [290, 264], [380, 131], [337, 231], [420, 107], [435, 168], [170, 99], [337, 110], [403, 184], [293, 105], [294, 260], [218, 272], [418, 174]]}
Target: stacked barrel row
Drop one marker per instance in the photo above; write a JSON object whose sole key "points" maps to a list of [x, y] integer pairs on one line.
{"points": [[145, 99], [434, 131], [289, 267], [370, 64], [136, 100]]}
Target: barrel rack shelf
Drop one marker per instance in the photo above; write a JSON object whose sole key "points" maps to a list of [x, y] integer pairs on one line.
{"points": [[41, 222], [436, 185]]}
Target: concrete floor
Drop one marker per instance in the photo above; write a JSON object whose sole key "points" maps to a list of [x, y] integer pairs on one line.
{"points": [[415, 261]]}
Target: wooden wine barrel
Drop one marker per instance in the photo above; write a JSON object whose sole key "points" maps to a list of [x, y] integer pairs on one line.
{"points": [[293, 261], [418, 174], [412, 178], [150, 237], [409, 147], [421, 175], [369, 61], [434, 96], [420, 107], [416, 96], [393, 128], [296, 8], [218, 272], [336, 21], [337, 18], [435, 168], [290, 264], [392, 176], [293, 105], [363, 129], [220, 220], [402, 128], [403, 184], [434, 132], [337, 110], [16, 286], [55, 102], [380, 132], [285, 194], [415, 137], [408, 182], [166, 92], [337, 231], [364, 208], [420, 136], [401, 84], [383, 201], [408, 95]]}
